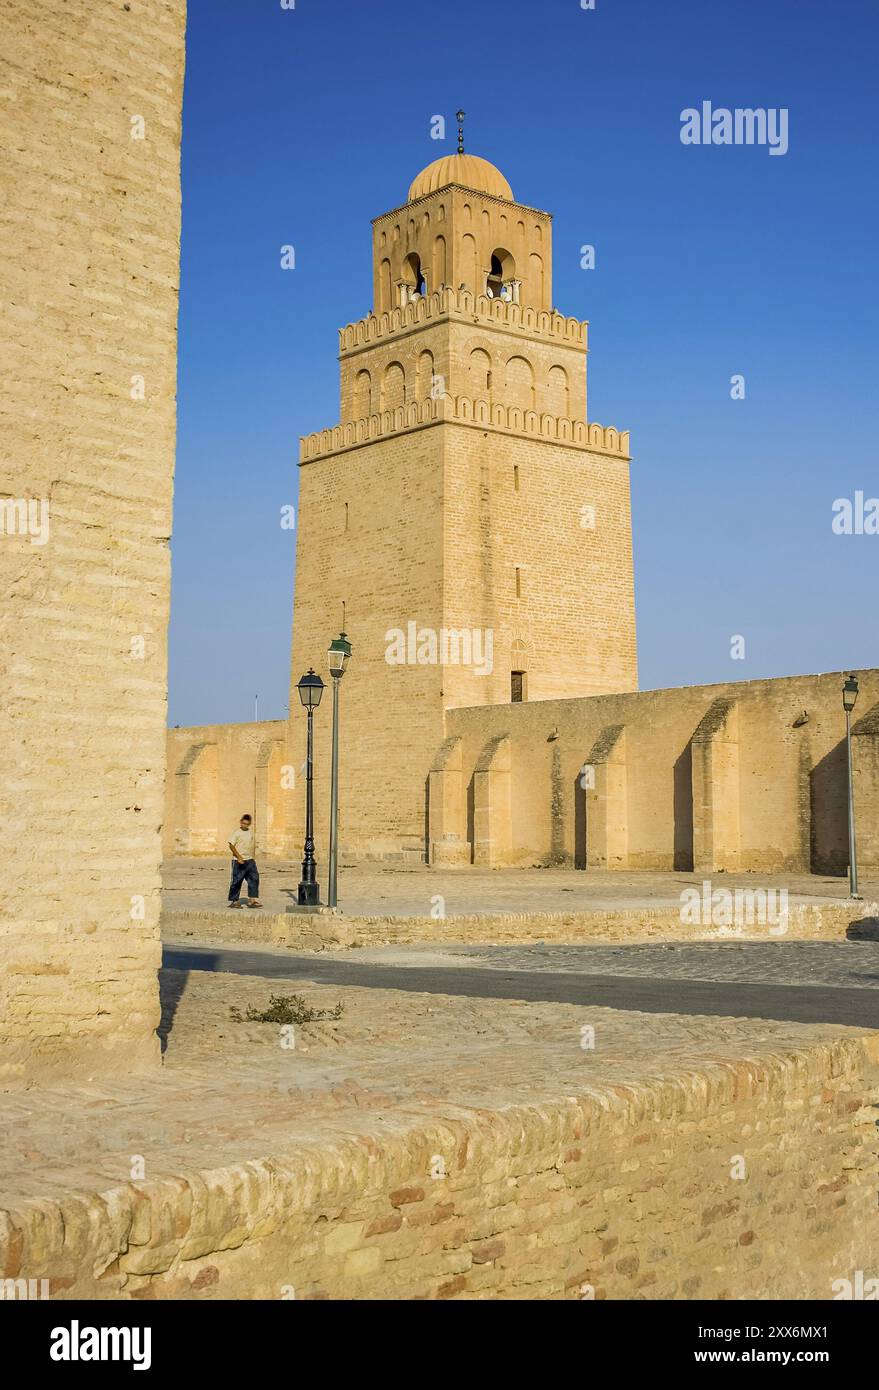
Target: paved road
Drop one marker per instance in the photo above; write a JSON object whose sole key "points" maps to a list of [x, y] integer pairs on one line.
{"points": [[841, 963], [652, 991]]}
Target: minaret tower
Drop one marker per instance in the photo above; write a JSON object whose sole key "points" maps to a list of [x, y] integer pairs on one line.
{"points": [[463, 494]]}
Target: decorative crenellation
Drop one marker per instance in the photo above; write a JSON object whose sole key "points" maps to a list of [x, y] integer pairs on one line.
{"points": [[466, 410], [447, 302]]}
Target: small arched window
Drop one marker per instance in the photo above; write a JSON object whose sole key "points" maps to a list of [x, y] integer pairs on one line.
{"points": [[499, 282], [413, 279]]}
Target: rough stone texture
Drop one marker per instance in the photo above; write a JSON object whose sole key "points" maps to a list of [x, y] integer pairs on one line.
{"points": [[317, 931], [453, 231], [482, 1152], [387, 568], [763, 791], [704, 786], [89, 273], [215, 774], [830, 963], [431, 906], [865, 780]]}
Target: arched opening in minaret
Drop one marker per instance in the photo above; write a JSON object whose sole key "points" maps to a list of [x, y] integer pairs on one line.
{"points": [[501, 280], [414, 282]]}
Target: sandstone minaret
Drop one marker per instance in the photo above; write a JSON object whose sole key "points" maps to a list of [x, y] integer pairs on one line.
{"points": [[463, 508]]}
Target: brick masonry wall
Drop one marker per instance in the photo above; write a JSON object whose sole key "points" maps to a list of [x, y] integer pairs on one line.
{"points": [[865, 780], [471, 226], [370, 534], [356, 402], [791, 796], [495, 346], [462, 352], [319, 931], [428, 528], [214, 773], [89, 276], [791, 774], [629, 1191], [571, 627]]}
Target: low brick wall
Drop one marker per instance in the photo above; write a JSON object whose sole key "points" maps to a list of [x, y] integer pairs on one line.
{"points": [[743, 1178], [318, 931]]}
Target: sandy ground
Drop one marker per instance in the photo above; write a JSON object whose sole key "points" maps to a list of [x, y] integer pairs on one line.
{"points": [[229, 1091], [410, 890]]}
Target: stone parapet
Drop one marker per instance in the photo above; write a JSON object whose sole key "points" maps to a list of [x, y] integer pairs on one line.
{"points": [[620, 1191], [466, 410], [450, 303], [317, 931]]}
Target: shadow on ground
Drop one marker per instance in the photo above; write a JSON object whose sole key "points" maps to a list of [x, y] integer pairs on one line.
{"points": [[172, 987], [865, 929]]}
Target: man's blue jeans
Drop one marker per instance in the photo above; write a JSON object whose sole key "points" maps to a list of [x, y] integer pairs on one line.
{"points": [[240, 872]]}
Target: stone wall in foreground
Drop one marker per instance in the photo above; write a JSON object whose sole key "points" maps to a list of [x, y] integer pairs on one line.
{"points": [[90, 96], [745, 1178], [328, 930]]}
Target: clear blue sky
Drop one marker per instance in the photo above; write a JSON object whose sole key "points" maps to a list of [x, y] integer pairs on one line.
{"points": [[300, 125]]}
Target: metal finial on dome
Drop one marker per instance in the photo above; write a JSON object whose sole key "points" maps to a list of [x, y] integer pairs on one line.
{"points": [[459, 117]]}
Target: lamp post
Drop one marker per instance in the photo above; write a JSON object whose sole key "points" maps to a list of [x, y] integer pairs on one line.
{"points": [[310, 688], [849, 696], [337, 657]]}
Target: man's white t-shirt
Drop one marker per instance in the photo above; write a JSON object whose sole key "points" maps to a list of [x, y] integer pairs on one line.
{"points": [[242, 840]]}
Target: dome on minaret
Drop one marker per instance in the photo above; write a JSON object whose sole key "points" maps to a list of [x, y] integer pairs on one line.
{"points": [[466, 169]]}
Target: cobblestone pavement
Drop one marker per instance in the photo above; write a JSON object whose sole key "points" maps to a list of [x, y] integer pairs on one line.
{"points": [[839, 964], [718, 980], [229, 1091], [408, 890]]}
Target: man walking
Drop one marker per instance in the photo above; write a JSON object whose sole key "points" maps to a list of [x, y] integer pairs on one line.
{"points": [[243, 864]]}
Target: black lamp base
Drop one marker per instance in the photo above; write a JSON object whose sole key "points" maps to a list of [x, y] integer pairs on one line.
{"points": [[309, 895]]}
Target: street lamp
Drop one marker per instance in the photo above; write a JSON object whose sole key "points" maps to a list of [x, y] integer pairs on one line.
{"points": [[337, 658], [849, 696], [310, 688]]}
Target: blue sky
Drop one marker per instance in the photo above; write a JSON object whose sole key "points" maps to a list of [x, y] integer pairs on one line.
{"points": [[299, 125]]}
